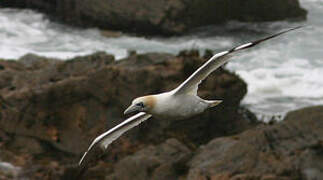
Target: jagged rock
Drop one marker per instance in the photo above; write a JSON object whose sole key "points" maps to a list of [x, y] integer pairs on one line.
{"points": [[161, 16], [68, 103], [61, 106], [56, 108], [292, 149], [163, 162]]}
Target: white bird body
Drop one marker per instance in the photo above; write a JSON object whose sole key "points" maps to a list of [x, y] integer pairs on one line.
{"points": [[172, 106], [180, 103]]}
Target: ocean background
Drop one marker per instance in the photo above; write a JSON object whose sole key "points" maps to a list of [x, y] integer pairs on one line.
{"points": [[283, 74]]}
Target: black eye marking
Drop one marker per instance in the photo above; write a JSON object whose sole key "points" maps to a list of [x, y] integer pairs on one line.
{"points": [[141, 104]]}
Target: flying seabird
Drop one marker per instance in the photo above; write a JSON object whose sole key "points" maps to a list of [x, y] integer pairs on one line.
{"points": [[183, 102], [179, 103]]}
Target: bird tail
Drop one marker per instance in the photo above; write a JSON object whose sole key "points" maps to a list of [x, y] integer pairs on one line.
{"points": [[214, 103]]}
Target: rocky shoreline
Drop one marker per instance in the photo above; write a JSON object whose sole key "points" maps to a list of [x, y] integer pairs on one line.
{"points": [[51, 110], [161, 17]]}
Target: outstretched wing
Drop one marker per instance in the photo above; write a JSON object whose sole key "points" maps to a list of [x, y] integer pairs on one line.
{"points": [[190, 85], [100, 143]]}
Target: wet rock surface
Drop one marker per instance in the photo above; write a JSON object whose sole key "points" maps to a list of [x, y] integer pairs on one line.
{"points": [[163, 17], [51, 109]]}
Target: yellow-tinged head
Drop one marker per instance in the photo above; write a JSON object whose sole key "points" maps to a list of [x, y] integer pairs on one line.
{"points": [[141, 104]]}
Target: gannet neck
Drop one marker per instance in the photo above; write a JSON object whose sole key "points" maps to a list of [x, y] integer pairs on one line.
{"points": [[150, 101]]}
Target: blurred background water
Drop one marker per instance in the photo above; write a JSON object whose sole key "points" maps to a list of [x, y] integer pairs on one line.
{"points": [[282, 75]]}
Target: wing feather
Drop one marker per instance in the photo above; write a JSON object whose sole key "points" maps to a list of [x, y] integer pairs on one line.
{"points": [[100, 143], [190, 85]]}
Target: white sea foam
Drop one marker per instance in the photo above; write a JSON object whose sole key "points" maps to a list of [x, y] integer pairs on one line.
{"points": [[286, 73], [282, 74]]}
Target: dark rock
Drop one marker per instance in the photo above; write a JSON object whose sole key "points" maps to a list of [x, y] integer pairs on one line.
{"points": [[62, 102], [2, 67], [162, 162], [64, 105], [36, 62], [31, 70], [58, 107], [292, 149], [26, 145], [137, 60], [161, 16], [208, 54]]}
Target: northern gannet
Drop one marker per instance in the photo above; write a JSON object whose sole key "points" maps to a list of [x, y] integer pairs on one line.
{"points": [[183, 102], [180, 103]]}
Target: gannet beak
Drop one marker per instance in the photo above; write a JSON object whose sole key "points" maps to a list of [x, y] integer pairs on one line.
{"points": [[132, 108], [215, 103]]}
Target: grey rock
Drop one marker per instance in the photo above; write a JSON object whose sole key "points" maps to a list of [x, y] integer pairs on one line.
{"points": [[291, 149]]}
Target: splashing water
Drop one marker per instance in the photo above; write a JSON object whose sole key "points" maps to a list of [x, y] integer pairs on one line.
{"points": [[286, 73]]}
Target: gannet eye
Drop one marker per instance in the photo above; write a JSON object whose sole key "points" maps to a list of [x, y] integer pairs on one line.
{"points": [[141, 104]]}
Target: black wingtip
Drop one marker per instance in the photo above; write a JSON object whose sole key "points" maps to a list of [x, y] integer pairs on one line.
{"points": [[275, 35], [251, 44]]}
